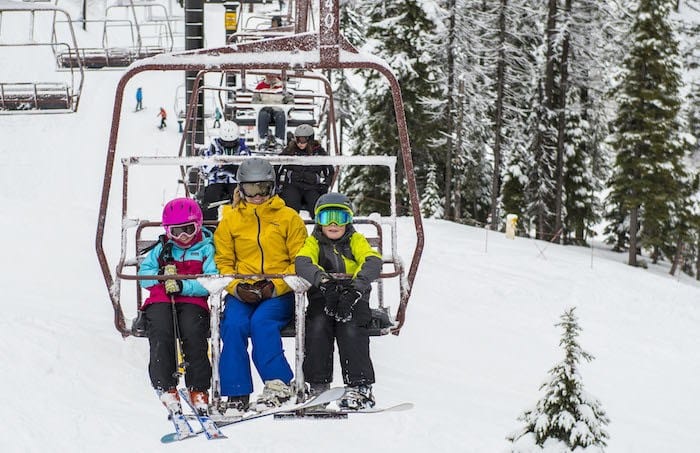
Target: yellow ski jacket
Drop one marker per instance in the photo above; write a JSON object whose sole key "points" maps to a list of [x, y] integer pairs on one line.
{"points": [[259, 239]]}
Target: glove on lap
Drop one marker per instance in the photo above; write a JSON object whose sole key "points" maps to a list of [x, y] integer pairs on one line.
{"points": [[346, 303], [255, 292], [331, 292]]}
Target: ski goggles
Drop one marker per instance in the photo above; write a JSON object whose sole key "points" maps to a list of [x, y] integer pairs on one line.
{"points": [[183, 231], [253, 189], [337, 216], [302, 140]]}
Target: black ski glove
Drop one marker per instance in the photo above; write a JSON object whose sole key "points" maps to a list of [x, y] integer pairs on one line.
{"points": [[330, 289], [346, 303]]}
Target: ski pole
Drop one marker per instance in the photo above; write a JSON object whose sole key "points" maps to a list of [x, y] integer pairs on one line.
{"points": [[179, 356]]}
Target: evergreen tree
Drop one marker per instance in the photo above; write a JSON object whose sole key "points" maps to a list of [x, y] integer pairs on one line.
{"points": [[402, 34], [430, 203], [345, 96], [649, 158], [497, 65], [566, 417]]}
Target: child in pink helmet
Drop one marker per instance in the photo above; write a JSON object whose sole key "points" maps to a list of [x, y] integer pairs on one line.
{"points": [[177, 310]]}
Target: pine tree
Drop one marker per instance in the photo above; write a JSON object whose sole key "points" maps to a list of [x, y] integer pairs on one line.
{"points": [[345, 95], [649, 160], [566, 416], [430, 203], [402, 34]]}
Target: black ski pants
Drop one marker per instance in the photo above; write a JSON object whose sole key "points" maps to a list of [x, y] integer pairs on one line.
{"points": [[212, 193], [193, 322], [353, 345], [298, 198]]}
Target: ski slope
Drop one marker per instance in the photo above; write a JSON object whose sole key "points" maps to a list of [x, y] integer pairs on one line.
{"points": [[478, 340]]}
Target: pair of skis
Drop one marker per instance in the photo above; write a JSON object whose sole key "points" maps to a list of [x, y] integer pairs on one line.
{"points": [[183, 430]]}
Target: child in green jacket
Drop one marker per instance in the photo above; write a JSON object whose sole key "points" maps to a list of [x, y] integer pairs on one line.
{"points": [[338, 309]]}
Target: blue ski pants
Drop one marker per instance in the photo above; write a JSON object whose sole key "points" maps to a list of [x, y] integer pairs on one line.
{"points": [[261, 322]]}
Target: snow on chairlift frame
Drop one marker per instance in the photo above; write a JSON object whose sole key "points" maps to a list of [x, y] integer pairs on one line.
{"points": [[325, 49]]}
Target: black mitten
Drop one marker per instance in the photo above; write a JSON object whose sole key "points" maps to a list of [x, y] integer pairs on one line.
{"points": [[331, 292], [346, 303]]}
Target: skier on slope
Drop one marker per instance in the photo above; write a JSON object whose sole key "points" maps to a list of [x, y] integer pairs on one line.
{"points": [[222, 178], [163, 116], [217, 118], [139, 99], [177, 310], [338, 309]]}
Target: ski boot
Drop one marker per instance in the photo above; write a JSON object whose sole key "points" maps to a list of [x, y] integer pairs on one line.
{"points": [[357, 398]]}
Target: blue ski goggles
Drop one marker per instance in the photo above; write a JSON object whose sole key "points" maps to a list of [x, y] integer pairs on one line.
{"points": [[337, 216]]}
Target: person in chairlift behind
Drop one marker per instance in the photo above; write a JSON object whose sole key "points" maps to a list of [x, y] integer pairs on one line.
{"points": [[302, 185]]}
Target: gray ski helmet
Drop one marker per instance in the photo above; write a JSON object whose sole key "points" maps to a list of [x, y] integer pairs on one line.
{"points": [[255, 169], [304, 130], [333, 200]]}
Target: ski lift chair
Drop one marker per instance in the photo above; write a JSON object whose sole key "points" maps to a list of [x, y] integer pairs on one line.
{"points": [[326, 49], [45, 96]]}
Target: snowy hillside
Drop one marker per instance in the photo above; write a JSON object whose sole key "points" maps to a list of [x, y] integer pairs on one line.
{"points": [[478, 341]]}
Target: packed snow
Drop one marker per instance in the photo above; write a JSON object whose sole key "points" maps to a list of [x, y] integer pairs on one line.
{"points": [[478, 341]]}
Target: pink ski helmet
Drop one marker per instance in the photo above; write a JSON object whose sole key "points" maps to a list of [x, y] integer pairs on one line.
{"points": [[181, 211]]}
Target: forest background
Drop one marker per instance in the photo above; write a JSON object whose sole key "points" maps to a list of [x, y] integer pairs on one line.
{"points": [[580, 117]]}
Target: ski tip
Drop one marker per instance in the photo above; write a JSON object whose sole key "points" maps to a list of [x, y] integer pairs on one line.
{"points": [[175, 437]]}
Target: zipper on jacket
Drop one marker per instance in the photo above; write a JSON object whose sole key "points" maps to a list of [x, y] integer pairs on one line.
{"points": [[262, 254]]}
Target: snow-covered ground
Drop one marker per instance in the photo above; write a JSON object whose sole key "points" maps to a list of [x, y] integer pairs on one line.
{"points": [[478, 340]]}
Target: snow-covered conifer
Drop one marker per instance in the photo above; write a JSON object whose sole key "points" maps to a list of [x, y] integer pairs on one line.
{"points": [[566, 418]]}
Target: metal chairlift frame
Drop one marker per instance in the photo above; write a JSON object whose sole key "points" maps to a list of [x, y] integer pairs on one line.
{"points": [[191, 122], [325, 49], [137, 24], [42, 97], [106, 57]]}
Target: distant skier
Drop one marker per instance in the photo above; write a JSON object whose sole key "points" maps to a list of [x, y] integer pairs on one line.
{"points": [[338, 309], [139, 99], [163, 116], [217, 118], [186, 249]]}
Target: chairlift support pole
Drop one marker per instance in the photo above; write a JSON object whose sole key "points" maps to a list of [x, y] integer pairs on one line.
{"points": [[194, 39]]}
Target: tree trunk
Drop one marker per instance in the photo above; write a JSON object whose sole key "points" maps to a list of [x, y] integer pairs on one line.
{"points": [[677, 256], [498, 120], [697, 261], [458, 185], [561, 125], [451, 109], [632, 256]]}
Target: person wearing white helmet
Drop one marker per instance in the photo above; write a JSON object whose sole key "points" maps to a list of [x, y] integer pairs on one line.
{"points": [[221, 179], [303, 184]]}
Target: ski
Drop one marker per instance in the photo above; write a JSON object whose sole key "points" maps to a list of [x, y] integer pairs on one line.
{"points": [[375, 410], [324, 398], [208, 426], [183, 429], [343, 413]]}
